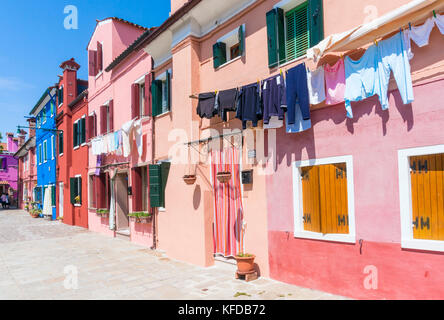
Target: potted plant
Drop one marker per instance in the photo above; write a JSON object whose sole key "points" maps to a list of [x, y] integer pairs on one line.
{"points": [[77, 200], [134, 216], [224, 176], [102, 212], [35, 213], [190, 179], [245, 262], [145, 217], [27, 207]]}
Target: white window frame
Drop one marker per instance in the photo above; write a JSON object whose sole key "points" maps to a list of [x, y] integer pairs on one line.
{"points": [[60, 88], [299, 231], [51, 110], [52, 147], [84, 143], [163, 78], [77, 177], [405, 198], [228, 37], [45, 152]]}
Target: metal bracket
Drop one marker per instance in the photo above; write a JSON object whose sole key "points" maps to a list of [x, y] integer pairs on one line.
{"points": [[422, 167], [339, 173], [416, 223], [425, 223], [307, 218]]}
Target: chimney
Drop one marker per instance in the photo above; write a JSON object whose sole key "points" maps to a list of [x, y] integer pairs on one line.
{"points": [[21, 138], [69, 80], [31, 123]]}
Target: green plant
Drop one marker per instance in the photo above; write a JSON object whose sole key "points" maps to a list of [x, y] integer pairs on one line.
{"points": [[237, 294], [244, 255], [102, 211]]}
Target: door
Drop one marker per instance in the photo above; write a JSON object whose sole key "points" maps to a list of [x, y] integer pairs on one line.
{"points": [[122, 220], [61, 199]]}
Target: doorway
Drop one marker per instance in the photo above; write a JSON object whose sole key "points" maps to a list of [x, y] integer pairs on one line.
{"points": [[61, 199], [122, 210]]}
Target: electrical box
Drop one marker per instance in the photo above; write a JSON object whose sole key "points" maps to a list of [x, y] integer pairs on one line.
{"points": [[247, 177]]}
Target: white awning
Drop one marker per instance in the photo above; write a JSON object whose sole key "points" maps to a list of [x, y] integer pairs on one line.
{"points": [[412, 12]]}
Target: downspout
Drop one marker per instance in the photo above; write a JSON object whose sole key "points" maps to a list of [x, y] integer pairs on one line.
{"points": [[152, 209]]}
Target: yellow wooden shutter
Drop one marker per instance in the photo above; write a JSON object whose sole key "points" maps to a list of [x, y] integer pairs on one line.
{"points": [[310, 199], [427, 185]]}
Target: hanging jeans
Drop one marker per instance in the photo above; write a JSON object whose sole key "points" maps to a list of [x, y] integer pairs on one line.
{"points": [[297, 93]]}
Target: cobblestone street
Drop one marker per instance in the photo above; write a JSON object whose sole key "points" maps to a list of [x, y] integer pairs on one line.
{"points": [[38, 258]]}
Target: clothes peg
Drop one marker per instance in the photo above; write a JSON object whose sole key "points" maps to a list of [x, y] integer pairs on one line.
{"points": [[281, 72], [434, 13]]}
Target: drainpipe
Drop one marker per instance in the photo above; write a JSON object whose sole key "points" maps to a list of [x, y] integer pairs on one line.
{"points": [[153, 210]]}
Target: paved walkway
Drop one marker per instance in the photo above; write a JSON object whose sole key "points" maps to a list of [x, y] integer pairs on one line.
{"points": [[41, 259]]}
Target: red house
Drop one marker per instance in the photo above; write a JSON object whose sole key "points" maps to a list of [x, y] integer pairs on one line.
{"points": [[72, 161]]}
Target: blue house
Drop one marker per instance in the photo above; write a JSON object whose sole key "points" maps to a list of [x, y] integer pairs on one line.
{"points": [[45, 112]]}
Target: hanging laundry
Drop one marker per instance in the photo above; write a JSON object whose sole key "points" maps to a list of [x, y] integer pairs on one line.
{"points": [[316, 85], [439, 21], [118, 141], [274, 98], [274, 123], [421, 34], [95, 147], [226, 102], [300, 124], [98, 165], [361, 78], [138, 136], [394, 57], [110, 142], [206, 107], [407, 44], [126, 135], [297, 93], [249, 105], [334, 82]]}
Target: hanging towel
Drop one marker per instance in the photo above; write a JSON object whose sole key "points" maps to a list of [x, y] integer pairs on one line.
{"points": [[274, 123], [299, 125], [394, 57], [126, 135], [439, 21], [421, 34], [316, 85], [361, 78], [274, 98], [47, 208], [226, 102], [297, 93], [110, 142], [138, 136], [249, 107], [206, 108], [112, 206], [334, 82]]}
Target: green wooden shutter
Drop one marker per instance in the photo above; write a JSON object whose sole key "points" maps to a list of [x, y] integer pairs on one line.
{"points": [[316, 21], [276, 37], [79, 188], [298, 33], [164, 172], [74, 135], [72, 185], [53, 196], [241, 36], [156, 92], [155, 186], [82, 130], [168, 89], [219, 54], [60, 142]]}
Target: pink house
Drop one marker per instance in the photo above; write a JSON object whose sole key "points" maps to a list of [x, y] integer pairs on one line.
{"points": [[117, 100]]}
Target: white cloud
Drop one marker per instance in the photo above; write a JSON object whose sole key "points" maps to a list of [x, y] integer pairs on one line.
{"points": [[13, 84]]}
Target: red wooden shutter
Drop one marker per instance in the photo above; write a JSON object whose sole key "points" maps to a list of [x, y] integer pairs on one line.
{"points": [[103, 120], [95, 125], [107, 190], [99, 57], [111, 115], [92, 56], [135, 108], [148, 81], [136, 180]]}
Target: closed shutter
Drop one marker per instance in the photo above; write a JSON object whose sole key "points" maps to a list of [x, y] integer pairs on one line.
{"points": [[53, 196], [79, 188], [156, 92], [316, 21], [61, 96], [99, 57], [72, 189], [61, 142], [168, 90], [164, 173], [92, 57], [298, 32], [136, 179], [241, 38], [103, 120], [155, 190], [219, 54], [5, 163], [311, 199], [427, 185], [87, 128], [82, 130], [111, 115], [148, 82], [75, 134], [275, 37], [135, 107]]}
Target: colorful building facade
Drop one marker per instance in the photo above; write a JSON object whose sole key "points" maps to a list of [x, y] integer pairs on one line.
{"points": [[9, 169], [72, 149]]}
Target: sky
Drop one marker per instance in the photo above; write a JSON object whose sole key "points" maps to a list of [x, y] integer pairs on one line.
{"points": [[34, 42]]}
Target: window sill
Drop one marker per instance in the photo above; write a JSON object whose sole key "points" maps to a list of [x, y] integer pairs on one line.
{"points": [[99, 74], [228, 62], [162, 114], [77, 147], [77, 205], [428, 245], [161, 209], [60, 104], [60, 155], [345, 238], [83, 144]]}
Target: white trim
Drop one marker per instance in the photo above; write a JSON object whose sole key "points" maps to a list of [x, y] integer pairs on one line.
{"points": [[141, 80], [76, 147], [78, 176], [407, 240], [99, 74], [228, 62], [288, 5], [299, 231]]}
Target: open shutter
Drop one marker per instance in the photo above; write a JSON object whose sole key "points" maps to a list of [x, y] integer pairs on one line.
{"points": [[136, 181], [241, 36], [111, 115], [168, 89], [61, 142], [148, 81], [164, 172], [75, 134], [72, 183], [99, 57], [82, 135], [103, 119], [219, 54], [53, 196], [135, 107], [87, 128], [155, 186], [92, 57], [156, 92], [275, 37], [316, 21], [79, 188]]}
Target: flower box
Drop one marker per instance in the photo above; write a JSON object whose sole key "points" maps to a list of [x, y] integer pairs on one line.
{"points": [[223, 177], [190, 179]]}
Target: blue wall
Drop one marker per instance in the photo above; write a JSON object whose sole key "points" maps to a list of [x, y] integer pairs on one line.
{"points": [[46, 170]]}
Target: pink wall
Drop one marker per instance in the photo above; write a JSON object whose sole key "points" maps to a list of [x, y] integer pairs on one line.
{"points": [[142, 233]]}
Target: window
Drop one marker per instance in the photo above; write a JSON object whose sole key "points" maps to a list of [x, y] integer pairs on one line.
{"points": [[45, 151], [3, 164], [26, 161], [79, 132], [76, 190], [421, 181], [139, 182], [40, 154], [52, 147], [61, 143], [95, 60], [323, 197], [158, 181], [53, 195], [52, 108], [229, 47], [293, 27], [107, 118], [161, 94], [142, 99], [92, 191], [44, 114], [60, 95], [145, 188]]}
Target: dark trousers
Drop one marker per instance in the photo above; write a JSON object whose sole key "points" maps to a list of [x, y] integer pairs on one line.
{"points": [[297, 93]]}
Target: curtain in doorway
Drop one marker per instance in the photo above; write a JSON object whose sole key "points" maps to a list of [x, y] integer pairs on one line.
{"points": [[228, 211], [47, 208], [112, 205]]}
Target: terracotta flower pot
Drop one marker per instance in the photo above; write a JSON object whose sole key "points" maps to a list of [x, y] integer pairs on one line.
{"points": [[190, 179], [223, 177], [245, 264]]}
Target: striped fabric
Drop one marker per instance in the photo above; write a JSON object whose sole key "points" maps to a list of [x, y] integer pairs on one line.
{"points": [[228, 210]]}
